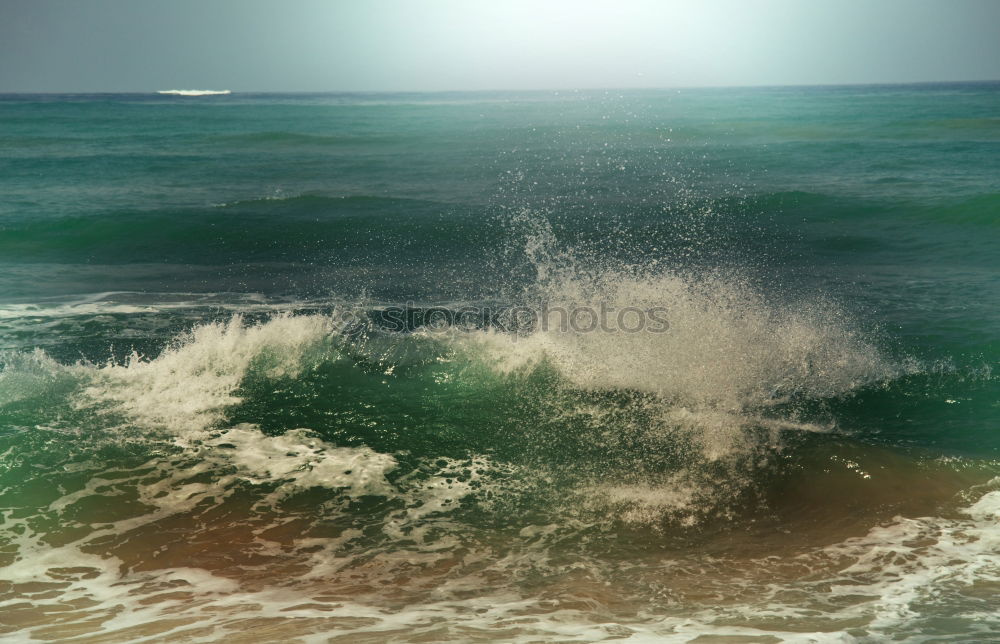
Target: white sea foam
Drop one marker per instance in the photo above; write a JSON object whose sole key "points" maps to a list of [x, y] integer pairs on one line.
{"points": [[127, 302], [300, 460], [188, 386], [25, 375], [728, 346], [194, 92], [729, 357], [647, 503], [862, 589], [911, 563]]}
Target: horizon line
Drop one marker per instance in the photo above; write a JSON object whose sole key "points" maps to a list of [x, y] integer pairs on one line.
{"points": [[524, 90]]}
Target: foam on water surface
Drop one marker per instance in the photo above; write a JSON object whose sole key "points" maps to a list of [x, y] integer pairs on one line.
{"points": [[877, 585], [194, 92], [187, 387]]}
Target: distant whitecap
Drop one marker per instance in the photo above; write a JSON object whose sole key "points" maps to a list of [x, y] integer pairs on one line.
{"points": [[194, 92]]}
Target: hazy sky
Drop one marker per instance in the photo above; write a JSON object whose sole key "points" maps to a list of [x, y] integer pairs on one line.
{"points": [[288, 45]]}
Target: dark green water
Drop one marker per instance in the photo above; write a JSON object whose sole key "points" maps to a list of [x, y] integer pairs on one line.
{"points": [[322, 367]]}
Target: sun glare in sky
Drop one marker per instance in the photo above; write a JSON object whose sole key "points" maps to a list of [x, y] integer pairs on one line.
{"points": [[136, 45]]}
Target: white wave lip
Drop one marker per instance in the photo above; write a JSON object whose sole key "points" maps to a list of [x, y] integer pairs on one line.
{"points": [[188, 386], [194, 92]]}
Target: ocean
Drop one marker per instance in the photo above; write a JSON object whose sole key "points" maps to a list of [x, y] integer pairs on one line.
{"points": [[708, 365]]}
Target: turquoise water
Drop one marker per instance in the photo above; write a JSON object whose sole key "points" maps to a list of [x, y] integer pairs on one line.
{"points": [[275, 367]]}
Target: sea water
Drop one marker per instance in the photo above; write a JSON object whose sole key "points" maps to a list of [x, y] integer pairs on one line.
{"points": [[321, 368]]}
